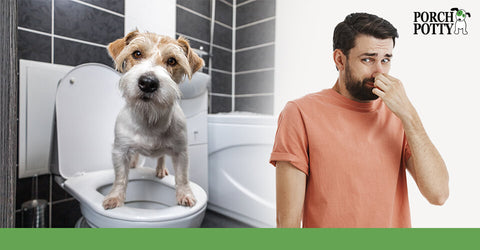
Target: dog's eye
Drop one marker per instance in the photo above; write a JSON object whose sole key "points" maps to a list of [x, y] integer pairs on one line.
{"points": [[137, 54], [171, 61]]}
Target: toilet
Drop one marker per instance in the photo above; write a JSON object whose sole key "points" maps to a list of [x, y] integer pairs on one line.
{"points": [[87, 102]]}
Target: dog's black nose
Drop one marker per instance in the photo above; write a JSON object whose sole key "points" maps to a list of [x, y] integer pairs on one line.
{"points": [[148, 83]]}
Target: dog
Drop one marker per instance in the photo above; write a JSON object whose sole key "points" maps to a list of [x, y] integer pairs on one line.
{"points": [[151, 123], [460, 23]]}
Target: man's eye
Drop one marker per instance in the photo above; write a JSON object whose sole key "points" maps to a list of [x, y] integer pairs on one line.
{"points": [[386, 60], [367, 60], [137, 54]]}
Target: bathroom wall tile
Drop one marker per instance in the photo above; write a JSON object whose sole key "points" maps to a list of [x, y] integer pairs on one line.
{"points": [[255, 11], [65, 214], [222, 36], [113, 5], [25, 190], [254, 35], [201, 6], [36, 15], [255, 59], [32, 46], [85, 23], [222, 59], [230, 1], [73, 53], [223, 13], [192, 25], [58, 193], [241, 1], [220, 104], [255, 104], [254, 83], [221, 83]]}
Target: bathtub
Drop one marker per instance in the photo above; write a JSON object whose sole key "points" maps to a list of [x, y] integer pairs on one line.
{"points": [[241, 181]]}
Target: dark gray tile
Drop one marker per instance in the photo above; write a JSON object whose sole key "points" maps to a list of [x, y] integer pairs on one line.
{"points": [[254, 35], [255, 11], [26, 191], [58, 193], [254, 83], [32, 46], [255, 59], [240, 1], [222, 36], [73, 53], [230, 1], [222, 59], [85, 23], [193, 25], [36, 15], [221, 83], [223, 13], [113, 5], [201, 6], [215, 220], [65, 214], [220, 104], [255, 104]]}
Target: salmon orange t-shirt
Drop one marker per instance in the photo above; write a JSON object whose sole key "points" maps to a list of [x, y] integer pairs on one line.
{"points": [[354, 156]]}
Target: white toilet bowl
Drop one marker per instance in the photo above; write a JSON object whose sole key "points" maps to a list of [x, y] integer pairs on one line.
{"points": [[87, 103], [150, 201]]}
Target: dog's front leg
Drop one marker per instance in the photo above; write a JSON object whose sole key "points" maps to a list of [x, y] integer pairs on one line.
{"points": [[184, 193], [161, 168], [121, 163]]}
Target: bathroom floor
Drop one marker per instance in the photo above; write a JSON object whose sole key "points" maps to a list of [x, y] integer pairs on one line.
{"points": [[215, 220]]}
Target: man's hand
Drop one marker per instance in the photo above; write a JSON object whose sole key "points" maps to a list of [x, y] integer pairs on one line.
{"points": [[393, 94]]}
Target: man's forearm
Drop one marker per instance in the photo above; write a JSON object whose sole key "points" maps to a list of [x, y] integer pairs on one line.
{"points": [[426, 165]]}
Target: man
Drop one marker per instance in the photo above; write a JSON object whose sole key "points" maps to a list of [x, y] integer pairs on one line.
{"points": [[341, 154]]}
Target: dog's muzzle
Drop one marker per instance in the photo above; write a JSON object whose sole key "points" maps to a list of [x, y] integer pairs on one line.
{"points": [[148, 83]]}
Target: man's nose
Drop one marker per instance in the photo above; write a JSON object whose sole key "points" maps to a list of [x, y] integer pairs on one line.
{"points": [[379, 68]]}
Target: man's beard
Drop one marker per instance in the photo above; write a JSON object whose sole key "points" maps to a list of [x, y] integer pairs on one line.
{"points": [[358, 89]]}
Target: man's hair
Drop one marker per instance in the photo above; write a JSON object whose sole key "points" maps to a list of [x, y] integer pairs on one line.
{"points": [[361, 23]]}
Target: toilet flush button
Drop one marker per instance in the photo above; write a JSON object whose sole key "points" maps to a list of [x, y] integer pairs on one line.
{"points": [[72, 80]]}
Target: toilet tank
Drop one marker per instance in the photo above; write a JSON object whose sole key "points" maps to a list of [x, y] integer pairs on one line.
{"points": [[241, 180]]}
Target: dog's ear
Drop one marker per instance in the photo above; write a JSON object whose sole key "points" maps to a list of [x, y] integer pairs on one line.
{"points": [[468, 14], [114, 48], [454, 9], [194, 60]]}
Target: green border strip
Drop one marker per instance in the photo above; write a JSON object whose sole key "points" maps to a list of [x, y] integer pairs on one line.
{"points": [[241, 238]]}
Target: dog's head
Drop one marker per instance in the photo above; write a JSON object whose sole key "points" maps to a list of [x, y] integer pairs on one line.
{"points": [[460, 14], [153, 66]]}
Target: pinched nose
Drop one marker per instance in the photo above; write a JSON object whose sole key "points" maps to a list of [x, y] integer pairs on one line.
{"points": [[148, 83]]}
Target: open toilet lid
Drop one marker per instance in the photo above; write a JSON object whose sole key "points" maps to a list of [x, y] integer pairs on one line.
{"points": [[88, 100]]}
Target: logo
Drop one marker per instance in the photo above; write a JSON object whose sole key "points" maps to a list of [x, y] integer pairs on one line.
{"points": [[440, 23]]}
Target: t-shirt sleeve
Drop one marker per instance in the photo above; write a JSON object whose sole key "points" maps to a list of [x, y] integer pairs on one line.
{"points": [[291, 142]]}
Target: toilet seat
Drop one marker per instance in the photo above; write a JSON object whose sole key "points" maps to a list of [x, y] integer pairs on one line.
{"points": [[85, 189], [87, 103]]}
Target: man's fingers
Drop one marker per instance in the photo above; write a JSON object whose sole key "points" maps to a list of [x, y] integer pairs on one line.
{"points": [[380, 83], [378, 92]]}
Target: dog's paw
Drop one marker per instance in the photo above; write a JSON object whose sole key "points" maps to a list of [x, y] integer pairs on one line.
{"points": [[185, 197], [112, 202], [162, 173]]}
